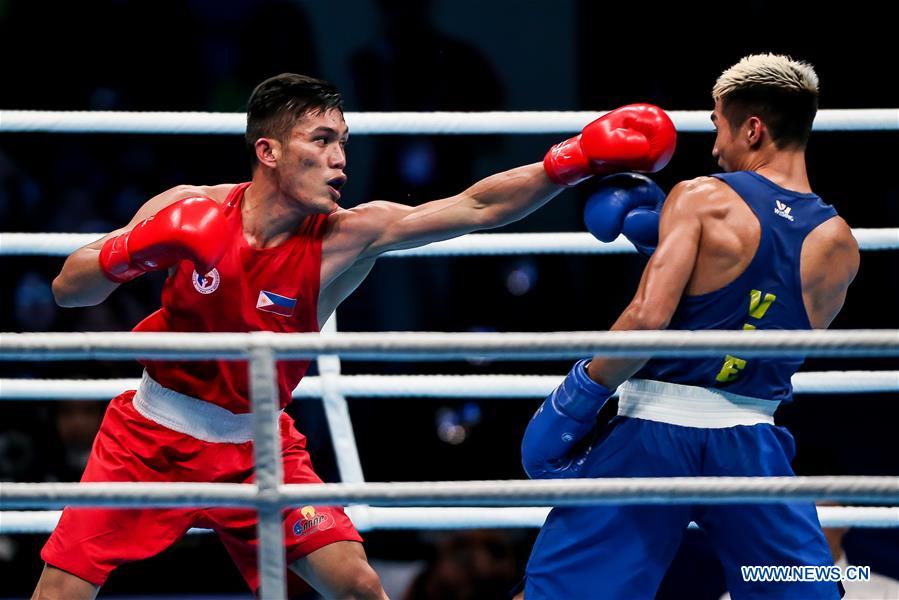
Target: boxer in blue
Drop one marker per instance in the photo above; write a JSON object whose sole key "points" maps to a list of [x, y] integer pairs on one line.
{"points": [[752, 248]]}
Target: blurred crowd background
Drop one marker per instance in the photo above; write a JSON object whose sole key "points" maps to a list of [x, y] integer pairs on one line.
{"points": [[389, 55]]}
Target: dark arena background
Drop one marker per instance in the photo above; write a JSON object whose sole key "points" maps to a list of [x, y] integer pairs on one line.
{"points": [[440, 55]]}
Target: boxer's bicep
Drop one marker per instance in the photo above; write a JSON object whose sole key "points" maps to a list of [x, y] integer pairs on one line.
{"points": [[829, 263], [669, 269]]}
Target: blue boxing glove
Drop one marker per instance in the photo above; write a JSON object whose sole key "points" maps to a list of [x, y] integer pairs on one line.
{"points": [[626, 203], [564, 418]]}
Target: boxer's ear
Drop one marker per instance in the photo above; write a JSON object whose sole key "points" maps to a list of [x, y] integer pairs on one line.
{"points": [[755, 130], [268, 151]]}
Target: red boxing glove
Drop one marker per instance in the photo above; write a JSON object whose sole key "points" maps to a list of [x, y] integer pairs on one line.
{"points": [[193, 229], [636, 137]]}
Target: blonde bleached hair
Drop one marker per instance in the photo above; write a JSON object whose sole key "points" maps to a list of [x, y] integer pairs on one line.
{"points": [[781, 91], [767, 70]]}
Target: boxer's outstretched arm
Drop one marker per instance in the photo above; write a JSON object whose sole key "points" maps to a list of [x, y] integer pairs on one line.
{"points": [[637, 137], [492, 202], [81, 282], [663, 282]]}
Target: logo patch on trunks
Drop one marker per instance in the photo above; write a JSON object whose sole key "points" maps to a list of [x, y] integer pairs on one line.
{"points": [[312, 522], [274, 303], [206, 284]]}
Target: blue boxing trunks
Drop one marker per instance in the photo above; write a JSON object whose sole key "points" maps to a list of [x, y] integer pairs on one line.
{"points": [[670, 430]]}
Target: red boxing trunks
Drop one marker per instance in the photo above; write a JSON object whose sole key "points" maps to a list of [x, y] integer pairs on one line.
{"points": [[90, 542]]}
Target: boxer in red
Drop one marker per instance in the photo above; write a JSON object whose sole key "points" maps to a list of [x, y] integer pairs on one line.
{"points": [[274, 254]]}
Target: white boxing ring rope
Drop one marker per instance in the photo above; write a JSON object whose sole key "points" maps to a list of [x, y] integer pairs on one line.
{"points": [[430, 123], [268, 495], [392, 346], [475, 244], [332, 387], [431, 386], [374, 518], [555, 492]]}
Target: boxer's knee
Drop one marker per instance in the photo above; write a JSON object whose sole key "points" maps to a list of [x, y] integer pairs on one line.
{"points": [[340, 570], [363, 584]]}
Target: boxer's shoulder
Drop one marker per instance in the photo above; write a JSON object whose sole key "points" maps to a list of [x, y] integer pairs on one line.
{"points": [[218, 192], [704, 197], [695, 195], [701, 187], [833, 242], [835, 231]]}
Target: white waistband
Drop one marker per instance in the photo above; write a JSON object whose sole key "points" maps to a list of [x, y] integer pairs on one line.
{"points": [[691, 406], [191, 416]]}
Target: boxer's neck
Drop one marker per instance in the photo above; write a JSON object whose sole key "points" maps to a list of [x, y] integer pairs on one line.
{"points": [[269, 216], [786, 168]]}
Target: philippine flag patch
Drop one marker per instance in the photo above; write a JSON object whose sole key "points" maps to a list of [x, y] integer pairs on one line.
{"points": [[273, 303]]}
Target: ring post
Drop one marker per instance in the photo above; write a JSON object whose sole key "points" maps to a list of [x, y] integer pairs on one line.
{"points": [[267, 447]]}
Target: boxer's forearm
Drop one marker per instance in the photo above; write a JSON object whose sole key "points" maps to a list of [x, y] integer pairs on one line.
{"points": [[612, 372], [81, 282], [511, 195]]}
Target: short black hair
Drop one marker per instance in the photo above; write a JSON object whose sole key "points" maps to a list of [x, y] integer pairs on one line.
{"points": [[278, 102], [789, 114]]}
